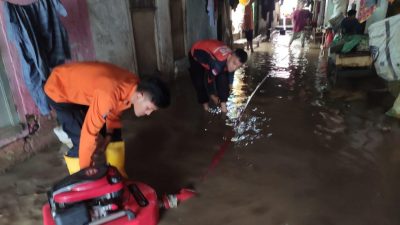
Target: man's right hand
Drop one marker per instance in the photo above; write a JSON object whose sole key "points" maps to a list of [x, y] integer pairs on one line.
{"points": [[206, 107], [215, 99], [224, 109], [98, 159], [99, 156]]}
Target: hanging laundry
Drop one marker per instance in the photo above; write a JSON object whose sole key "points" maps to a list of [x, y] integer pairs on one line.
{"points": [[339, 7], [267, 6], [234, 4], [211, 12], [370, 3], [41, 41], [365, 11], [216, 11]]}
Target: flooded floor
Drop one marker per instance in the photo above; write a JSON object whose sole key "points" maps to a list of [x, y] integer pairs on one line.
{"points": [[291, 151]]}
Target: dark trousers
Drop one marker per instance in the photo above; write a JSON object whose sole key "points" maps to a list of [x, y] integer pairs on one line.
{"points": [[249, 35], [199, 80], [218, 85], [71, 117]]}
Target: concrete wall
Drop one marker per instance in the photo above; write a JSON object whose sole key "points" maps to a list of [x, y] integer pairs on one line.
{"points": [[111, 28], [77, 25], [197, 23]]}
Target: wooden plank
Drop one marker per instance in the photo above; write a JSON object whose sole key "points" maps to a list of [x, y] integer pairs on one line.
{"points": [[353, 61]]}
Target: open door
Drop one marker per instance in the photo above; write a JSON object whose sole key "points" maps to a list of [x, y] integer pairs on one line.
{"points": [[177, 28], [143, 23]]}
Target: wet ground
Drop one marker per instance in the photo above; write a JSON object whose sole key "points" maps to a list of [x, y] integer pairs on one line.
{"points": [[292, 150]]}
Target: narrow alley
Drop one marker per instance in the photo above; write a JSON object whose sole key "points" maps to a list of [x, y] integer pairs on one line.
{"points": [[295, 155], [294, 148]]}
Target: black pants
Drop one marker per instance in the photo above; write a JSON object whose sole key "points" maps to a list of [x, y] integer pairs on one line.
{"points": [[249, 35], [200, 78], [71, 118]]}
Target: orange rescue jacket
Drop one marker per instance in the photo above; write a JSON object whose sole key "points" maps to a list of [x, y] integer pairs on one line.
{"points": [[211, 54], [104, 87]]}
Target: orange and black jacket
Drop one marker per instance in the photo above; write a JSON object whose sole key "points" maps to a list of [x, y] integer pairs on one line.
{"points": [[212, 55], [104, 87]]}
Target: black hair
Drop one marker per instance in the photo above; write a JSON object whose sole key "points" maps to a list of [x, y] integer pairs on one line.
{"points": [[241, 54], [157, 89], [351, 12]]}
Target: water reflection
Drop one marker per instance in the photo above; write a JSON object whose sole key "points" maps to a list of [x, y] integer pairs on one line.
{"points": [[248, 121], [285, 70]]}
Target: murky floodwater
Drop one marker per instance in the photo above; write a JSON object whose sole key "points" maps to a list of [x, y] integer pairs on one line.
{"points": [[298, 155]]}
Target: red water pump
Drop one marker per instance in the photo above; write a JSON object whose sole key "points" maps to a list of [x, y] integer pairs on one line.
{"points": [[99, 195]]}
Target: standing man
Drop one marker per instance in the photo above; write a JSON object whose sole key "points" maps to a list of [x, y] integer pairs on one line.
{"points": [[89, 97], [212, 65], [300, 18], [248, 24]]}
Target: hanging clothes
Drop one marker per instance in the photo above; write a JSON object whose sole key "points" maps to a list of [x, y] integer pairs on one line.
{"points": [[321, 14], [367, 7], [211, 12], [267, 7], [234, 4], [41, 41], [370, 3], [339, 7], [267, 13], [248, 21], [216, 11]]}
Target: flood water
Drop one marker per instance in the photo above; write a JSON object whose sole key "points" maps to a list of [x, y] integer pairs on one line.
{"points": [[291, 151], [298, 154]]}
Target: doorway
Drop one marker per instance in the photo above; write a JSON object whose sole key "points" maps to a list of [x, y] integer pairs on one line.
{"points": [[177, 28], [143, 23]]}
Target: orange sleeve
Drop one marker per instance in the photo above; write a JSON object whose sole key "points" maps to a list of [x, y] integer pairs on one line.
{"points": [[99, 107], [113, 120]]}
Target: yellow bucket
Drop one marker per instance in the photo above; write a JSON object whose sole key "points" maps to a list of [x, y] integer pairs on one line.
{"points": [[115, 156], [72, 164]]}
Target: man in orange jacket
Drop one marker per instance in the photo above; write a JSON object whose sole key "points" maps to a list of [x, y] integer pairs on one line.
{"points": [[89, 97], [212, 65]]}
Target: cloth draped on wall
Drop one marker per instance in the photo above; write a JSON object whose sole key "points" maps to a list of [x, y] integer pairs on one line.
{"points": [[224, 22], [41, 41], [234, 4], [316, 11], [212, 11], [370, 3], [248, 21], [367, 7], [321, 14], [267, 13], [339, 7], [267, 7]]}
